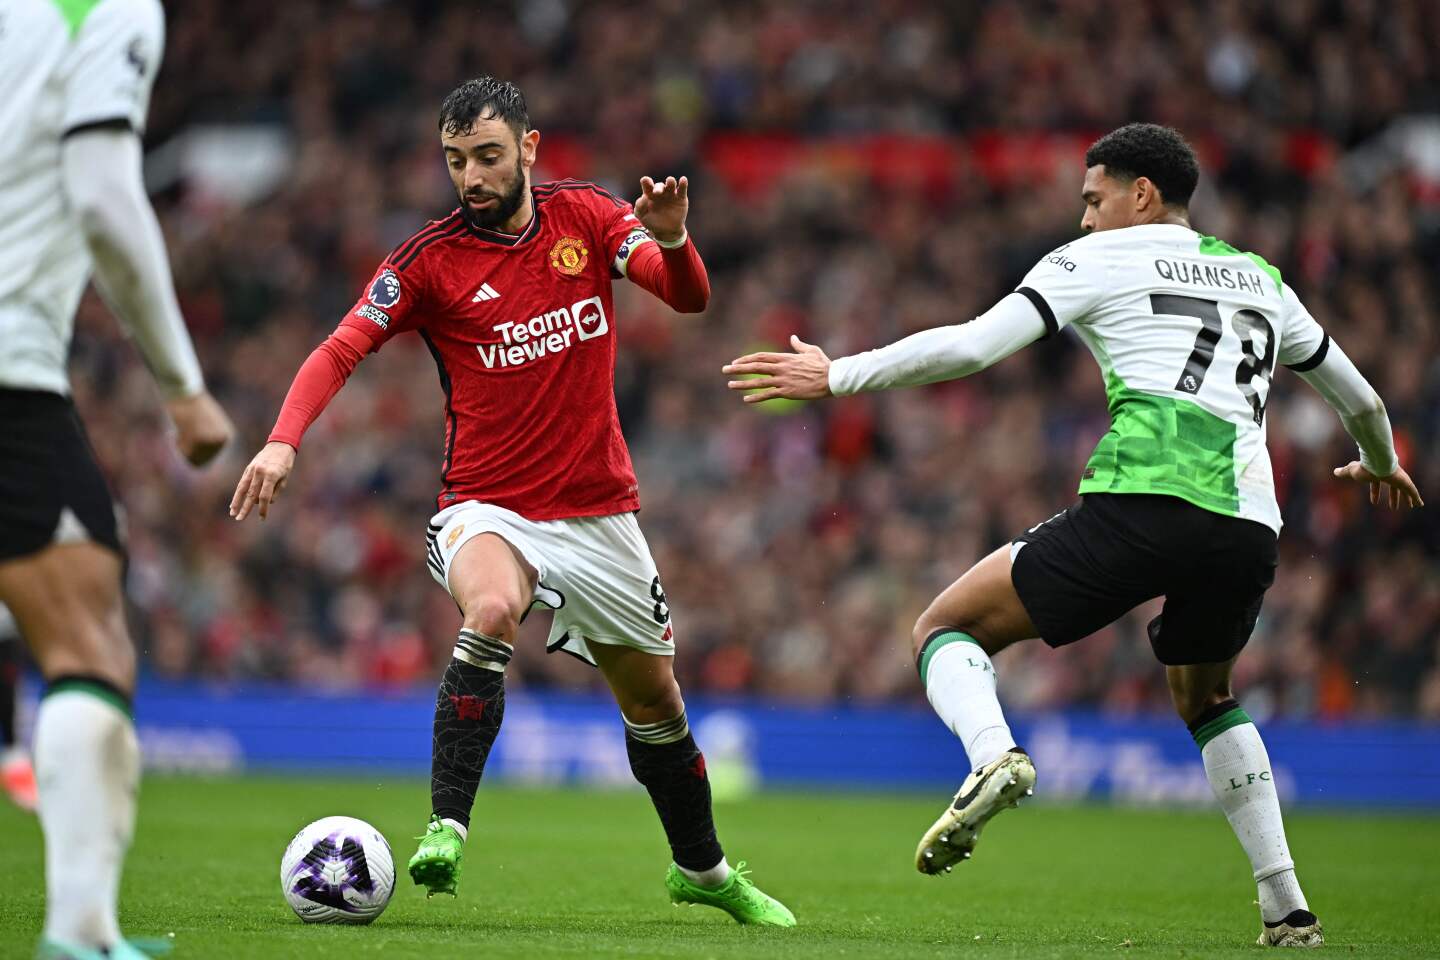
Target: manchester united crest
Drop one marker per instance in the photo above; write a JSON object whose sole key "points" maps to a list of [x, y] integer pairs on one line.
{"points": [[569, 256], [454, 535]]}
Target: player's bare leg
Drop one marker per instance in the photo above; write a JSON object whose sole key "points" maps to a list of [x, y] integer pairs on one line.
{"points": [[67, 603], [977, 616], [493, 586], [665, 759], [1239, 772]]}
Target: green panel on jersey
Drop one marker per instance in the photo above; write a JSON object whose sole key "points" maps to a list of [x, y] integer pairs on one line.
{"points": [[75, 12], [1219, 248], [1164, 445]]}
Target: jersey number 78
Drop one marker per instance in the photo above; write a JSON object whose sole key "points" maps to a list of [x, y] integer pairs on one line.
{"points": [[1245, 323]]}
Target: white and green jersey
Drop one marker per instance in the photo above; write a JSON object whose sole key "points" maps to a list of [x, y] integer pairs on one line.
{"points": [[1187, 331], [65, 65]]}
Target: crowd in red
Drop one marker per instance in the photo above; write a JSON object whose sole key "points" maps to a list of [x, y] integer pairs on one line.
{"points": [[858, 174]]}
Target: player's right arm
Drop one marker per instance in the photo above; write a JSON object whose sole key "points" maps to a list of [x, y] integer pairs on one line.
{"points": [[107, 89], [1309, 351], [1058, 291], [389, 305]]}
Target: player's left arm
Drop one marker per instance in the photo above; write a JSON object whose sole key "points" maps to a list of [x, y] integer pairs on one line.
{"points": [[1310, 352], [107, 90], [661, 258], [930, 356]]}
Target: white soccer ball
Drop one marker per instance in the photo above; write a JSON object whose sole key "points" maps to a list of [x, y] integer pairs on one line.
{"points": [[337, 870]]}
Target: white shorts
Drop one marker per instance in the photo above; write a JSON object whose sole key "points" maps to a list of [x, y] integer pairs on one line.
{"points": [[596, 573]]}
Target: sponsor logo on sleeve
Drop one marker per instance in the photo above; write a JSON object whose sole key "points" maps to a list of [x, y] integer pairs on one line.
{"points": [[569, 256], [385, 291], [1058, 258], [379, 317]]}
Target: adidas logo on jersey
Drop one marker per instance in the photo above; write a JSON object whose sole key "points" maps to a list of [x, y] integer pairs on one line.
{"points": [[486, 292], [545, 335]]}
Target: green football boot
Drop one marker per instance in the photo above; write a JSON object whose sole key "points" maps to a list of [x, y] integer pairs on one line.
{"points": [[737, 896], [436, 865]]}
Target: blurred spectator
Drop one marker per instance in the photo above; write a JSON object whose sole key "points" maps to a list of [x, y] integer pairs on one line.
{"points": [[797, 545]]}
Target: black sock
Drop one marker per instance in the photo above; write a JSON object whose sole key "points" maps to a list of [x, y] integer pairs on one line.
{"points": [[674, 774], [9, 677], [468, 709]]}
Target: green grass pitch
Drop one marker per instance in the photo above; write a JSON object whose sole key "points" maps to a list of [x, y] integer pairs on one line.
{"points": [[574, 873]]}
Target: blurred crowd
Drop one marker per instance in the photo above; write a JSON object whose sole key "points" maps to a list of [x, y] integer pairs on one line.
{"points": [[796, 544]]}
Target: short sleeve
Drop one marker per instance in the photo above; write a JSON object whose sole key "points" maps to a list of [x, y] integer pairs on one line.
{"points": [[113, 63], [1303, 342], [1065, 285], [392, 302]]}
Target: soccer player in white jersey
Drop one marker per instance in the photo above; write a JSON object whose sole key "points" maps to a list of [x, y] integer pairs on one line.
{"points": [[76, 77], [1177, 499]]}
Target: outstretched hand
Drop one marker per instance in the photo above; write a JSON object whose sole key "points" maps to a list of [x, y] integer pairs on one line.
{"points": [[802, 375], [1398, 488], [263, 480], [662, 207]]}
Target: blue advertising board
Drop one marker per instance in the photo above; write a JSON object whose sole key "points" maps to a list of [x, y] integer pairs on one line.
{"points": [[555, 737]]}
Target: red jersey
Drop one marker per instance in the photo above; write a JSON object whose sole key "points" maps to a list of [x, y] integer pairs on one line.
{"points": [[522, 329]]}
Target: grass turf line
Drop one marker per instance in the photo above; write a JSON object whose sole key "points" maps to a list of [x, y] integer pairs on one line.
{"points": [[578, 874]]}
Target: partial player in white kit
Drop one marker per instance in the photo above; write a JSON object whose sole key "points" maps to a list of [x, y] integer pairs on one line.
{"points": [[76, 78], [1178, 499]]}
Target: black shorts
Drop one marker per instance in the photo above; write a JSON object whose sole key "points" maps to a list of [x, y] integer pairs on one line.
{"points": [[51, 488], [1086, 567]]}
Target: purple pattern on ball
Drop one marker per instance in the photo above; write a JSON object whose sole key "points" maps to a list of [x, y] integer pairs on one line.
{"points": [[308, 878]]}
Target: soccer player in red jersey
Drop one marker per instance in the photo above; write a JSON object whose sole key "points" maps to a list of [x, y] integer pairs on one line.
{"points": [[512, 293]]}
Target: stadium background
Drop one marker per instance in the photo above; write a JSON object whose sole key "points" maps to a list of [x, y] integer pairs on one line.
{"points": [[859, 172]]}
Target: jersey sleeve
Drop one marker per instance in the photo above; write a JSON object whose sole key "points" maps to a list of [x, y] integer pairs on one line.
{"points": [[1303, 342], [113, 63], [620, 235], [392, 302], [1065, 285]]}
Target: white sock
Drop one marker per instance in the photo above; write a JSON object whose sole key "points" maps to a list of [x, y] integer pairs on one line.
{"points": [[960, 682], [713, 877], [1239, 772], [87, 763], [460, 828]]}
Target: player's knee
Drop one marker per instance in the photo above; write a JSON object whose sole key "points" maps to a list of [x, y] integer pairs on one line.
{"points": [[492, 615], [652, 704]]}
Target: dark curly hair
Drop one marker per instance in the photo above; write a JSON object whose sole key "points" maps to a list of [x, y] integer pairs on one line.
{"points": [[483, 98], [1149, 150]]}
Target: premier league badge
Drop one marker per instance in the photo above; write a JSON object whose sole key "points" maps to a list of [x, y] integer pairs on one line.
{"points": [[385, 291]]}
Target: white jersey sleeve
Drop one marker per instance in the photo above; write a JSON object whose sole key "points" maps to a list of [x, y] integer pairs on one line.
{"points": [[1067, 284], [113, 62], [1303, 342]]}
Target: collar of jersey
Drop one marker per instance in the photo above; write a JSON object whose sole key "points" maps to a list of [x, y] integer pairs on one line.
{"points": [[506, 239]]}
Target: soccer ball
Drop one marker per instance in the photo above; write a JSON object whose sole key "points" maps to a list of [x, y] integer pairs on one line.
{"points": [[337, 870]]}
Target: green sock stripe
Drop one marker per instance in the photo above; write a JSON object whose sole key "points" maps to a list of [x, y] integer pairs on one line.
{"points": [[100, 691], [1219, 725], [937, 640]]}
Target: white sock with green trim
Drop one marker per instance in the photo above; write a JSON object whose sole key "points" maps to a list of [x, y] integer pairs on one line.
{"points": [[87, 764], [959, 679], [1239, 772]]}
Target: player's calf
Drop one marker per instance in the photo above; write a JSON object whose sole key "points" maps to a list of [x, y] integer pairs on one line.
{"points": [[666, 761], [469, 708]]}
